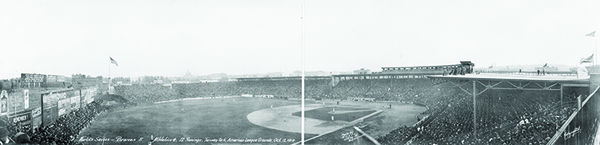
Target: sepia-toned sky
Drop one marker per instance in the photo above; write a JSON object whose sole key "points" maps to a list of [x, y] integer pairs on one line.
{"points": [[169, 37]]}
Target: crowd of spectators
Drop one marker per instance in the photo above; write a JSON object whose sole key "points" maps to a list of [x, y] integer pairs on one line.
{"points": [[282, 88], [209, 89], [286, 88], [380, 89], [146, 93], [66, 128], [398, 136], [458, 70], [503, 117], [407, 89], [149, 93]]}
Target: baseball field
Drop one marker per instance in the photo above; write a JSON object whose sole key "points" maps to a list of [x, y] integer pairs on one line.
{"points": [[237, 120]]}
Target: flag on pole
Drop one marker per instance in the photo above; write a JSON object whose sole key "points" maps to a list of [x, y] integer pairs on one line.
{"points": [[113, 61], [593, 34], [587, 60]]}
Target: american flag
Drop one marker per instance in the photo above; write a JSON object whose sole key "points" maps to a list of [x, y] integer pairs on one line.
{"points": [[592, 34], [113, 61], [587, 60]]}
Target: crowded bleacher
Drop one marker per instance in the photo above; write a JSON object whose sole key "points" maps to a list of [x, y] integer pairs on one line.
{"points": [[504, 117], [146, 93], [66, 128]]}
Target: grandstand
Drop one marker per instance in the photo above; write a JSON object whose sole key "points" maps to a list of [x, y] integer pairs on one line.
{"points": [[460, 109], [437, 69], [515, 109]]}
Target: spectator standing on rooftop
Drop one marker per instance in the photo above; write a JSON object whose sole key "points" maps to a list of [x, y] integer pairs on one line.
{"points": [[455, 71], [543, 72]]}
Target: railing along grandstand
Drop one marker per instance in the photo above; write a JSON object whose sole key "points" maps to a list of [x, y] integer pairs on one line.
{"points": [[559, 73], [572, 117]]}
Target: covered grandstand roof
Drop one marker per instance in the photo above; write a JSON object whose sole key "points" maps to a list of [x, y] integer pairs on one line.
{"points": [[419, 66], [284, 78], [435, 65], [388, 74], [516, 77]]}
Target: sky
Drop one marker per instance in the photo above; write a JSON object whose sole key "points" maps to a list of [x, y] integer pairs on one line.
{"points": [[171, 37]]}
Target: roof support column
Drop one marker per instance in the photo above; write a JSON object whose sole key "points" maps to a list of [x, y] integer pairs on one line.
{"points": [[474, 109], [561, 96]]}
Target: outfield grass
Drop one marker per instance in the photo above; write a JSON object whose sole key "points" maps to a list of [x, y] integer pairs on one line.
{"points": [[195, 119], [323, 113]]}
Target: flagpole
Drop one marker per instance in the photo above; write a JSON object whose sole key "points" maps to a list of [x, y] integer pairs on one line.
{"points": [[109, 61], [303, 63]]}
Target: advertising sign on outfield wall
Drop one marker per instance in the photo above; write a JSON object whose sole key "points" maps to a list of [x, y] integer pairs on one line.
{"points": [[3, 102], [50, 114], [25, 99], [74, 102], [88, 94], [22, 117], [63, 106], [62, 102], [36, 112], [36, 120]]}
